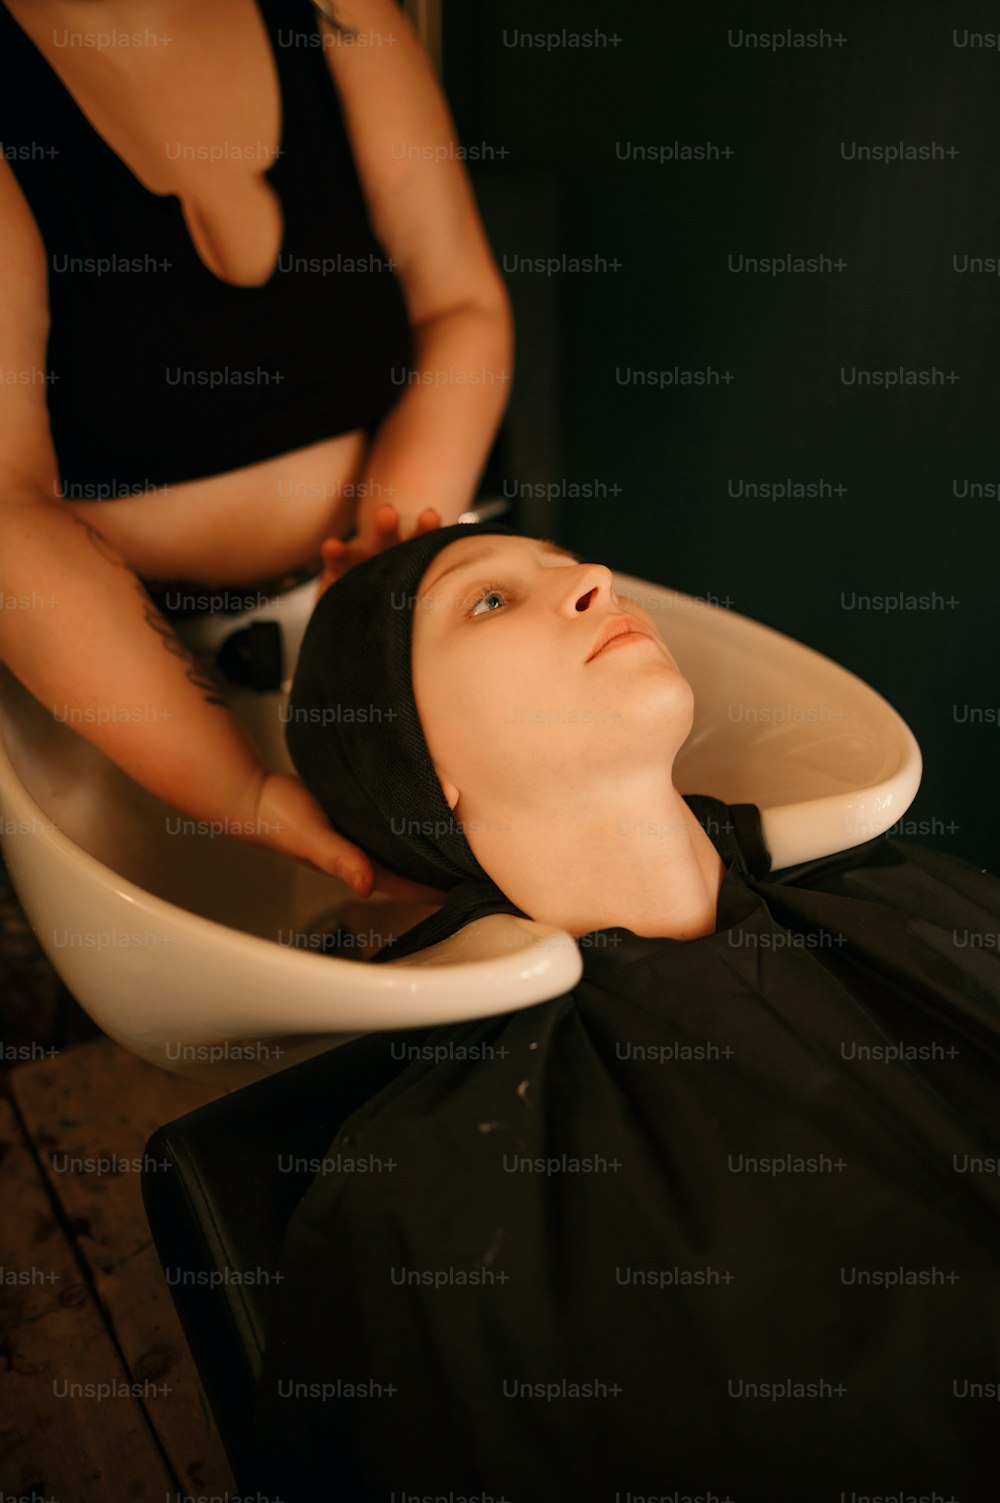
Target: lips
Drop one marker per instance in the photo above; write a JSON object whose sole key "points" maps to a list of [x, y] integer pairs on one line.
{"points": [[618, 626]]}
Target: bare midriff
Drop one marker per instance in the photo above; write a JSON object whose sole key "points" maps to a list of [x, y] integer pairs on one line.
{"points": [[247, 526], [267, 518]]}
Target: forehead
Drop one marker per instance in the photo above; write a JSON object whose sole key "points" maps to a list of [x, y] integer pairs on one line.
{"points": [[482, 548]]}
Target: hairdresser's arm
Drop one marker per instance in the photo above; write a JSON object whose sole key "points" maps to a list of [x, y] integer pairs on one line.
{"points": [[91, 646], [80, 632], [432, 445]]}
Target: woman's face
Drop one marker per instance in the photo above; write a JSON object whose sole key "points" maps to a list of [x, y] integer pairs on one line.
{"points": [[512, 696]]}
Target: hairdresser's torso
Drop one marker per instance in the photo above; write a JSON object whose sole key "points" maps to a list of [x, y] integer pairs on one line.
{"points": [[239, 525]]}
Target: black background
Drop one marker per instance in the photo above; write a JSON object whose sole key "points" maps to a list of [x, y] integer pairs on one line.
{"points": [[665, 457]]}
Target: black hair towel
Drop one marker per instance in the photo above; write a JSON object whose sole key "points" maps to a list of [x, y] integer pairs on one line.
{"points": [[354, 734]]}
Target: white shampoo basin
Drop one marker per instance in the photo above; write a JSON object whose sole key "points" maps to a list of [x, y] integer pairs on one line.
{"points": [[197, 952]]}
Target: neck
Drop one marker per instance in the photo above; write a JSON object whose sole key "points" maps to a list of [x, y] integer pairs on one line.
{"points": [[640, 861]]}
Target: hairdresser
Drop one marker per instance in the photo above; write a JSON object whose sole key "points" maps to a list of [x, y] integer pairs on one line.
{"points": [[246, 306]]}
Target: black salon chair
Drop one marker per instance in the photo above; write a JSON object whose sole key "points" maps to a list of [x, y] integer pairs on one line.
{"points": [[223, 1203]]}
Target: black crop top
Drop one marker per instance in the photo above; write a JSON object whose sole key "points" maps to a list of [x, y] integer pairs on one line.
{"points": [[158, 370]]}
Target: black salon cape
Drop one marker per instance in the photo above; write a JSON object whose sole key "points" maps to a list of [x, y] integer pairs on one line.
{"points": [[587, 1277]]}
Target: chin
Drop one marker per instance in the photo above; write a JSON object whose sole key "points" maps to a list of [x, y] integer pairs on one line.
{"points": [[663, 703], [655, 684]]}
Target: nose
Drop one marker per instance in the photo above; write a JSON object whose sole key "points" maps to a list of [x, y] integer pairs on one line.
{"points": [[591, 585]]}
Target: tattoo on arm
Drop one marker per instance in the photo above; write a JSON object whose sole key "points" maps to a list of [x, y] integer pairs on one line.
{"points": [[196, 674], [105, 549]]}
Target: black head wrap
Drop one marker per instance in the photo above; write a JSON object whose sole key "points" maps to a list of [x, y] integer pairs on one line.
{"points": [[354, 734]]}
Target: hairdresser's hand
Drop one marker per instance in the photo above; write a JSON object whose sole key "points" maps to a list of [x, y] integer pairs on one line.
{"points": [[288, 819], [382, 530]]}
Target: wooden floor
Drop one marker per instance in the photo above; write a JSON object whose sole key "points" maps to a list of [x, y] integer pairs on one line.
{"points": [[99, 1399]]}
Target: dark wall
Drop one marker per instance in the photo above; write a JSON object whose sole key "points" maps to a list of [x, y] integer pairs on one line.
{"points": [[880, 503]]}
